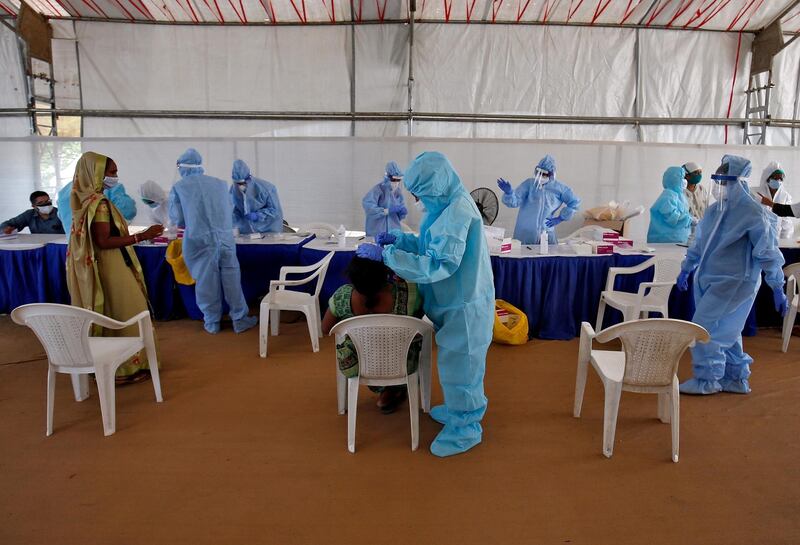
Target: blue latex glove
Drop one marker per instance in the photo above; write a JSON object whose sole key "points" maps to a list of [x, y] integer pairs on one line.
{"points": [[781, 302], [252, 216], [504, 186], [370, 251], [398, 209], [552, 222], [683, 281], [385, 239]]}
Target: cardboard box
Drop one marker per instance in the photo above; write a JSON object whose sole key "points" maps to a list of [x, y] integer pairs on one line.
{"points": [[615, 225], [622, 242], [601, 247]]}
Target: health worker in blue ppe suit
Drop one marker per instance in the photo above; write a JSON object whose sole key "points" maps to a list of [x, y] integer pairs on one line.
{"points": [[449, 261], [201, 204], [384, 205], [735, 241], [256, 207], [670, 220], [112, 189], [538, 200]]}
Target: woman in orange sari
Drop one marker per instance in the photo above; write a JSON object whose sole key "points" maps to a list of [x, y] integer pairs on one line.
{"points": [[103, 272]]}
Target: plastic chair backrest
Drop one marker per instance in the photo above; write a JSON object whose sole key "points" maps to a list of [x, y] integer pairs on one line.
{"points": [[381, 342], [322, 270], [653, 348], [792, 273], [63, 330], [666, 270]]}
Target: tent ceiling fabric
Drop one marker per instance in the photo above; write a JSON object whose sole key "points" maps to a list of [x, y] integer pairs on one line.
{"points": [[726, 15]]}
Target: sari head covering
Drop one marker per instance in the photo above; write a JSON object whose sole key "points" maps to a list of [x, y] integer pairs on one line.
{"points": [[83, 279]]}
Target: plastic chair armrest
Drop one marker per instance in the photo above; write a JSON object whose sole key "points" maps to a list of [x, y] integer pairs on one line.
{"points": [[109, 323]]}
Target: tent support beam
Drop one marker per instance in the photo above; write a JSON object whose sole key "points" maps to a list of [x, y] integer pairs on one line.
{"points": [[397, 116], [399, 22]]}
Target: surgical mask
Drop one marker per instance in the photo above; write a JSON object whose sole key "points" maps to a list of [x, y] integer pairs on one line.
{"points": [[110, 181], [242, 187], [420, 206], [684, 184], [695, 178], [395, 186], [45, 209], [774, 184]]}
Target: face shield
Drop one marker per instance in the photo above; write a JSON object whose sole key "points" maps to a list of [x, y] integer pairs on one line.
{"points": [[540, 177]]}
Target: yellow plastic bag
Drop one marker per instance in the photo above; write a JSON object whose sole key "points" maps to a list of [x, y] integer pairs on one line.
{"points": [[175, 259], [510, 324]]}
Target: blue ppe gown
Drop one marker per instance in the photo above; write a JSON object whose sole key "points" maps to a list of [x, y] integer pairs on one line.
{"points": [[536, 204], [260, 197], [450, 263], [376, 205], [735, 241], [202, 205], [670, 220], [117, 195]]}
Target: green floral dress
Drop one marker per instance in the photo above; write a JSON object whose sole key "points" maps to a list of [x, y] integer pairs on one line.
{"points": [[407, 302]]}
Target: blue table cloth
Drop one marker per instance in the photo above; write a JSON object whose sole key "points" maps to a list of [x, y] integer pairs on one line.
{"points": [[258, 263], [158, 278], [22, 278]]}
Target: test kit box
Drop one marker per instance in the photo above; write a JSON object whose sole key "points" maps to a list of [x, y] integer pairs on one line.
{"points": [[601, 247], [622, 242]]}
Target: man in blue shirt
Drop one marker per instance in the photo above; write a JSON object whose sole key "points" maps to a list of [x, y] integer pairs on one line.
{"points": [[42, 218]]}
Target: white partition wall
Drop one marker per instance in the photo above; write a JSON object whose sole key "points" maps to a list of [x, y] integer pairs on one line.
{"points": [[324, 179]]}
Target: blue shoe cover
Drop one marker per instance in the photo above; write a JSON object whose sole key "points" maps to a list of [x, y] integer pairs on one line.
{"points": [[696, 386], [212, 328], [451, 440], [240, 326], [439, 413], [735, 386]]}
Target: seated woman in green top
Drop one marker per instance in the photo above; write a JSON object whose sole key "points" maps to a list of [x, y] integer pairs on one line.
{"points": [[373, 289]]}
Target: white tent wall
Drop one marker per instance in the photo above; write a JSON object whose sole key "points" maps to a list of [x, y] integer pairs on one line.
{"points": [[12, 85], [324, 179], [458, 68]]}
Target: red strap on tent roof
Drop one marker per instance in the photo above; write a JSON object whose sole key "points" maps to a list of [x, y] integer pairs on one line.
{"points": [[629, 11], [97, 9], [331, 14], [741, 14], [714, 13], [598, 11], [733, 83], [656, 12], [680, 11], [521, 12], [145, 12], [68, 7], [7, 10], [470, 8], [496, 5], [448, 7], [571, 12]]}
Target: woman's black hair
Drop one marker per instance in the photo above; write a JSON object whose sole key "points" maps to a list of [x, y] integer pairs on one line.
{"points": [[369, 278]]}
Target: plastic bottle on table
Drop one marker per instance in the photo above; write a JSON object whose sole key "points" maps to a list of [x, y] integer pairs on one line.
{"points": [[543, 249], [341, 235]]}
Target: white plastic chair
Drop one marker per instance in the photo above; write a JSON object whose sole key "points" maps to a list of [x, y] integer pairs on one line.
{"points": [[381, 342], [425, 362], [792, 273], [651, 296], [647, 364], [279, 298], [63, 330]]}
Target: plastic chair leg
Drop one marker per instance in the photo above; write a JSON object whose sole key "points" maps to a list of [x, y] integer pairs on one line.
{"points": [[319, 318], [788, 325], [152, 361], [413, 407], [580, 386], [664, 407], [275, 316], [612, 395], [311, 319], [341, 390], [675, 405], [601, 311], [263, 330], [107, 395], [51, 399], [352, 403], [80, 386], [424, 372]]}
